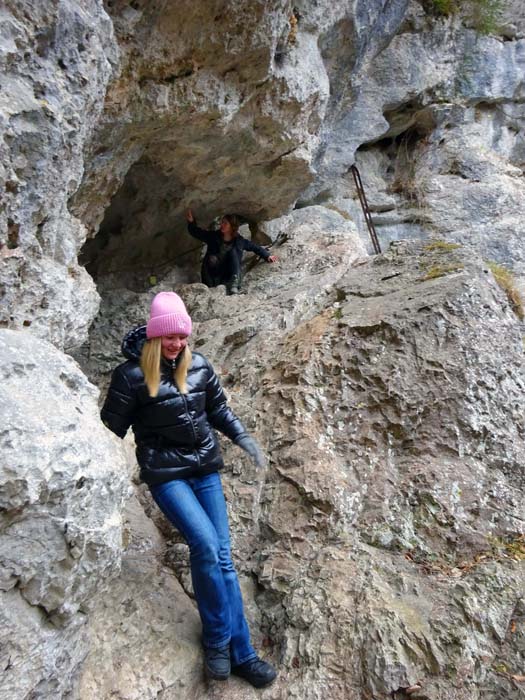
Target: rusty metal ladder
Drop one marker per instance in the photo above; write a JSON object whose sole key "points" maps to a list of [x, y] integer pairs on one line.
{"points": [[366, 209]]}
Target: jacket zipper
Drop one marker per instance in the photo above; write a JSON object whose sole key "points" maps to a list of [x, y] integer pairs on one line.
{"points": [[183, 397]]}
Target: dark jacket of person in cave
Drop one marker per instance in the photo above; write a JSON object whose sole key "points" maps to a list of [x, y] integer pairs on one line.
{"points": [[225, 247]]}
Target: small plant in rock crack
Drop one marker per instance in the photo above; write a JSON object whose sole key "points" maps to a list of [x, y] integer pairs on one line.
{"points": [[440, 271], [506, 281], [439, 246], [483, 15]]}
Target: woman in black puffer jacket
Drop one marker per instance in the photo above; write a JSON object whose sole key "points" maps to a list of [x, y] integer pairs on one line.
{"points": [[173, 400]]}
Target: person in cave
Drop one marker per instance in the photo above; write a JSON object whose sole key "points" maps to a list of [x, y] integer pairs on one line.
{"points": [[172, 399], [225, 248]]}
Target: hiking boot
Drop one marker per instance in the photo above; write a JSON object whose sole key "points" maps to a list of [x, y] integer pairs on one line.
{"points": [[217, 662], [233, 285], [257, 672]]}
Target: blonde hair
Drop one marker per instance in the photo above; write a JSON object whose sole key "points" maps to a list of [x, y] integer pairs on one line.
{"points": [[150, 364]]}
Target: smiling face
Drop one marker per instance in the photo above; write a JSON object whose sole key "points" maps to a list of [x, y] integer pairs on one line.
{"points": [[172, 345]]}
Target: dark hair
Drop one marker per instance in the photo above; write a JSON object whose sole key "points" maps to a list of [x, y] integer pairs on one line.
{"points": [[233, 221]]}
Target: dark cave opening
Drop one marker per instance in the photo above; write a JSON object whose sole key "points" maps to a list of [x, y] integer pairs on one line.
{"points": [[143, 232]]}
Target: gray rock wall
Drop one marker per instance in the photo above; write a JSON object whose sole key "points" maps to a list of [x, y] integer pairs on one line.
{"points": [[384, 545], [63, 482], [386, 536], [144, 633], [118, 118], [221, 111], [56, 60], [440, 101], [437, 132]]}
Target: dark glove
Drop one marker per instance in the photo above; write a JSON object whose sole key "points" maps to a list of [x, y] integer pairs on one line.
{"points": [[249, 445]]}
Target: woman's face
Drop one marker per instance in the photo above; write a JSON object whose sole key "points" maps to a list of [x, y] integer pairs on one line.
{"points": [[172, 345], [226, 227]]}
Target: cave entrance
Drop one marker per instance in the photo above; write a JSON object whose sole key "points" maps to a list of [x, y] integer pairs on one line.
{"points": [[143, 234]]}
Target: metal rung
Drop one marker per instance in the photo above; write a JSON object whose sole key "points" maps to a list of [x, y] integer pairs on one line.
{"points": [[366, 210]]}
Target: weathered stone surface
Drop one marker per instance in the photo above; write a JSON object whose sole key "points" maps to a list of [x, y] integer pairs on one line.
{"points": [[386, 536], [387, 533], [426, 63], [144, 634], [218, 109], [55, 60], [439, 103], [397, 497], [243, 107], [437, 132], [62, 485]]}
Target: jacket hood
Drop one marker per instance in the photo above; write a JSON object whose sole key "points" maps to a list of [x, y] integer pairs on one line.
{"points": [[133, 343]]}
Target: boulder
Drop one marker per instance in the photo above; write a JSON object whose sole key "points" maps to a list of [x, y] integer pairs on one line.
{"points": [[62, 486]]}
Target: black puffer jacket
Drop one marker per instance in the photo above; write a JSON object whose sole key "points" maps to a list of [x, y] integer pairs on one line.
{"points": [[173, 431]]}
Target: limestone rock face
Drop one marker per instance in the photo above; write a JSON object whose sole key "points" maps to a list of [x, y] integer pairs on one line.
{"points": [[55, 60], [144, 633], [217, 106], [118, 117], [428, 108], [437, 132], [386, 535], [397, 472], [383, 546], [62, 484]]}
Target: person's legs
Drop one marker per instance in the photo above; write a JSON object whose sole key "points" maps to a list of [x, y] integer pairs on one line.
{"points": [[210, 271], [180, 505], [230, 273], [210, 495]]}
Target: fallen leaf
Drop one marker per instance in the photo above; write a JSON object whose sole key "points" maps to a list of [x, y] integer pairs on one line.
{"points": [[518, 679]]}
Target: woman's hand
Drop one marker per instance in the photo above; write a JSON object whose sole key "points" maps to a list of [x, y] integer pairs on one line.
{"points": [[189, 216], [272, 258], [249, 445]]}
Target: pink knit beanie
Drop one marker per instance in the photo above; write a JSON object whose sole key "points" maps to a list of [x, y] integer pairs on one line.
{"points": [[168, 316]]}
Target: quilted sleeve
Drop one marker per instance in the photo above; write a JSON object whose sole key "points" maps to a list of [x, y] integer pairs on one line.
{"points": [[119, 406]]}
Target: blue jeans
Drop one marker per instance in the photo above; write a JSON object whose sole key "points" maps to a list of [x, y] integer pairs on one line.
{"points": [[196, 507]]}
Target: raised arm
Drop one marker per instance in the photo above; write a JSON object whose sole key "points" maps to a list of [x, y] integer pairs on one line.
{"points": [[198, 233]]}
